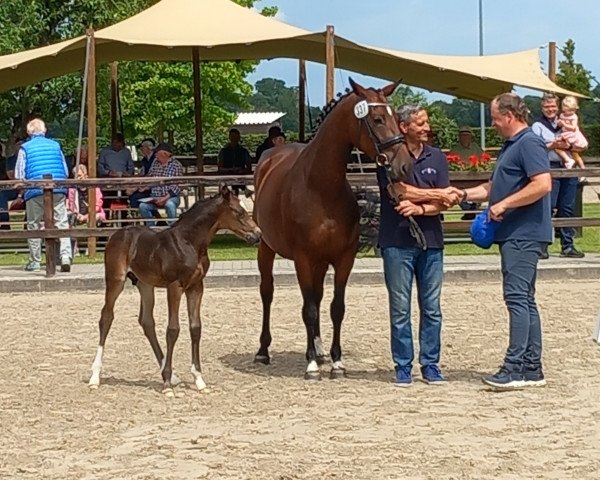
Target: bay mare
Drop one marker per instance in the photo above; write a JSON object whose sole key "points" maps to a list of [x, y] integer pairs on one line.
{"points": [[308, 213], [175, 259]]}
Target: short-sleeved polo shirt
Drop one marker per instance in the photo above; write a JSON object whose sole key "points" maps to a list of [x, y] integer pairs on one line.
{"points": [[548, 136], [523, 156], [430, 170]]}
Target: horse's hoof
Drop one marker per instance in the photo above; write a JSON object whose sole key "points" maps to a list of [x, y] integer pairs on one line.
{"points": [[321, 359], [168, 392], [93, 386], [336, 373], [264, 359], [312, 376]]}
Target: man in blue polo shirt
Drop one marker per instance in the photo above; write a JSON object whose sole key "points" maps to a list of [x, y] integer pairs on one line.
{"points": [[404, 259], [519, 196]]}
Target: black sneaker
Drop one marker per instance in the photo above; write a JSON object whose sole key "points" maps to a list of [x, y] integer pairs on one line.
{"points": [[572, 253], [65, 267], [544, 255], [505, 379], [534, 377]]}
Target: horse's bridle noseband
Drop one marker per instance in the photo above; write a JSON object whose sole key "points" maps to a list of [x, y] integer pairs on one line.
{"points": [[382, 160]]}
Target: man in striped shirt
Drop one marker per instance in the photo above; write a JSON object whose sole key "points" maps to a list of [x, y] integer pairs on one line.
{"points": [[162, 196]]}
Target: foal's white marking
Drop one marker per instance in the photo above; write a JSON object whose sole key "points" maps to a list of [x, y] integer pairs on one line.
{"points": [[96, 368], [312, 367], [174, 378], [200, 385], [319, 347], [338, 365]]}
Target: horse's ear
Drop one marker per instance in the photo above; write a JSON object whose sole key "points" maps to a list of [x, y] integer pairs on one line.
{"points": [[358, 89], [391, 88]]}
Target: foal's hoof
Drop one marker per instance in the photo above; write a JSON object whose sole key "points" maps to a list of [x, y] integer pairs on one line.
{"points": [[312, 376], [168, 392], [336, 373], [264, 359], [93, 386]]}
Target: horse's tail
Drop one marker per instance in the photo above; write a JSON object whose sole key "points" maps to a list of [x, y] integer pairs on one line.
{"points": [[131, 276], [369, 207]]}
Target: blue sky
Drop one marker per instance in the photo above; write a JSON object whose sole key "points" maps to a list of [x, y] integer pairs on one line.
{"points": [[446, 27]]}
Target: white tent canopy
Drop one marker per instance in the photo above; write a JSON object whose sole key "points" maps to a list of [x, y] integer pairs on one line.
{"points": [[223, 30]]}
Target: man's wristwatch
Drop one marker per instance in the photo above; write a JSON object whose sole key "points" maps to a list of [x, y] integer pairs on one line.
{"points": [[464, 195]]}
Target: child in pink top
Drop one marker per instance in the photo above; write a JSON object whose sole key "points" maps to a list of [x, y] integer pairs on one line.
{"points": [[569, 124]]}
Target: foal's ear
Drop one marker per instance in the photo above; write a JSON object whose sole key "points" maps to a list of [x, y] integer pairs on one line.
{"points": [[224, 190], [391, 88], [358, 89]]}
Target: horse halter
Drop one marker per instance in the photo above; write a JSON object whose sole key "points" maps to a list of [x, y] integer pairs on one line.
{"points": [[361, 111]]}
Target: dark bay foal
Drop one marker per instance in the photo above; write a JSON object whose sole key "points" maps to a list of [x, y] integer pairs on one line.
{"points": [[175, 259]]}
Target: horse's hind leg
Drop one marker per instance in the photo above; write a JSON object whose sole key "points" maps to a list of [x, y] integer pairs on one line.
{"points": [[338, 309], [115, 276], [266, 257]]}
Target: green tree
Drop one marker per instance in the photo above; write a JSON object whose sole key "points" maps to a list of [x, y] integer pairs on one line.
{"points": [[272, 94], [573, 75]]}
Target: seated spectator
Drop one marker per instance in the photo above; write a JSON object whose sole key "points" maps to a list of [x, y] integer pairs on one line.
{"points": [[162, 196], [115, 161], [7, 172], [267, 143], [135, 194], [234, 159], [279, 139], [464, 149], [77, 201]]}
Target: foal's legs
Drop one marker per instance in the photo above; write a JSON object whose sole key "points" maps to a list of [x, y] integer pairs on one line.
{"points": [[266, 256], [146, 321], [338, 308], [174, 292], [308, 274], [194, 299], [115, 281]]}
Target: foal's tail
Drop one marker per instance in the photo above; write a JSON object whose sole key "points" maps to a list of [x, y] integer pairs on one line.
{"points": [[131, 276]]}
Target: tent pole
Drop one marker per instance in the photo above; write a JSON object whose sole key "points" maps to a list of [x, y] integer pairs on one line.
{"points": [[329, 63], [83, 99], [552, 61], [197, 73], [301, 100], [114, 73], [91, 131]]}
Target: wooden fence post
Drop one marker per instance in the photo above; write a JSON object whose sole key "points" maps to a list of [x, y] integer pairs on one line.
{"points": [[51, 250]]}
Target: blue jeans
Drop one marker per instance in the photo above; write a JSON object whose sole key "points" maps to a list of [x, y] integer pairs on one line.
{"points": [[519, 259], [147, 211], [5, 197], [400, 266], [564, 193]]}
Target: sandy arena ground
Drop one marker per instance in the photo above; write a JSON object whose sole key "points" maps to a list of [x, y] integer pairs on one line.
{"points": [[268, 423]]}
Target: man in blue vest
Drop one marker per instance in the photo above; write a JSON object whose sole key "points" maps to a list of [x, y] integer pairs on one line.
{"points": [[37, 157]]}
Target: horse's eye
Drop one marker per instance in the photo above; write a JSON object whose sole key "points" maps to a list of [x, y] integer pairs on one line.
{"points": [[378, 120]]}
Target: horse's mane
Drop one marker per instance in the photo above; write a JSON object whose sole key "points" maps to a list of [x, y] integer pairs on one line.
{"points": [[327, 110], [202, 209]]}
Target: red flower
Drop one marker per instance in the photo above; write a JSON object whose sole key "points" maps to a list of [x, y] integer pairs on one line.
{"points": [[473, 160], [485, 157]]}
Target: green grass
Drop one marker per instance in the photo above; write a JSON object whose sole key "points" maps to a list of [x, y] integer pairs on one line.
{"points": [[229, 247]]}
